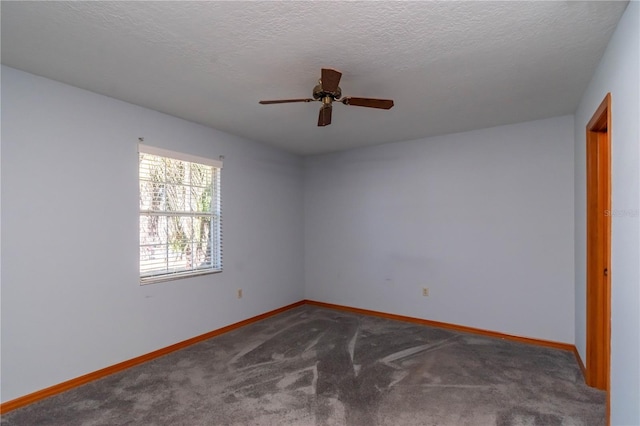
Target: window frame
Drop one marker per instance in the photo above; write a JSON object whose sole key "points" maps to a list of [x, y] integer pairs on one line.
{"points": [[215, 233]]}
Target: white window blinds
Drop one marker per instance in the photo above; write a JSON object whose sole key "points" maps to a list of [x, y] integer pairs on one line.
{"points": [[180, 215]]}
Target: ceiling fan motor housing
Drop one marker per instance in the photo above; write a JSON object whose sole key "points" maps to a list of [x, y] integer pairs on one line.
{"points": [[320, 94]]}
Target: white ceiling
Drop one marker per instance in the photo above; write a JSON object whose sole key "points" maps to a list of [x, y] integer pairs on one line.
{"points": [[449, 66]]}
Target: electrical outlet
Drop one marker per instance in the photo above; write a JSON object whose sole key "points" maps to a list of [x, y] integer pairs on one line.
{"points": [[425, 291], [239, 293]]}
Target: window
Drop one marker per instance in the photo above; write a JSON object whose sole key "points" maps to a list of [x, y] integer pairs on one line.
{"points": [[180, 222]]}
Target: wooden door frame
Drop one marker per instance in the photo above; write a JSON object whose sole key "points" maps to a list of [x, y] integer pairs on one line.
{"points": [[599, 248]]}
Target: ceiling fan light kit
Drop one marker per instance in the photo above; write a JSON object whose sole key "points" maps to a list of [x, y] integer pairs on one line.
{"points": [[328, 91]]}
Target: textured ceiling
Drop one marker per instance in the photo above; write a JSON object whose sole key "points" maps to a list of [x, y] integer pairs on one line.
{"points": [[449, 66]]}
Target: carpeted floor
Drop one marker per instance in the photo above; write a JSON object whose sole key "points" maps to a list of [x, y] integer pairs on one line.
{"points": [[312, 366]]}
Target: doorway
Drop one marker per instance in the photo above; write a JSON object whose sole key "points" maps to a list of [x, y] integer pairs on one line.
{"points": [[599, 247]]}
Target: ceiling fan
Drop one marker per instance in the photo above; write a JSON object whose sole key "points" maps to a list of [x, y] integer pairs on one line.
{"points": [[328, 91]]}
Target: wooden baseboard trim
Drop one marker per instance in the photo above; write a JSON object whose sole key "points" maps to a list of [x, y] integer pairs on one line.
{"points": [[580, 363], [5, 407], [455, 327], [583, 369]]}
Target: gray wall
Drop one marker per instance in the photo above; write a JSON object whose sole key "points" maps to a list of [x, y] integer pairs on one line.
{"points": [[618, 73], [71, 299], [484, 219]]}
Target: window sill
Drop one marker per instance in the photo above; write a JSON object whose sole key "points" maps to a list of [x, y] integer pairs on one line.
{"points": [[178, 276]]}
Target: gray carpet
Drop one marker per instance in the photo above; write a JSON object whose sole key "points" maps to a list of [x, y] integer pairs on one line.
{"points": [[312, 366]]}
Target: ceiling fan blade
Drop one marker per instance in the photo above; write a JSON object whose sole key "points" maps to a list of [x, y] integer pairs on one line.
{"points": [[330, 79], [369, 102], [286, 101], [324, 119]]}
